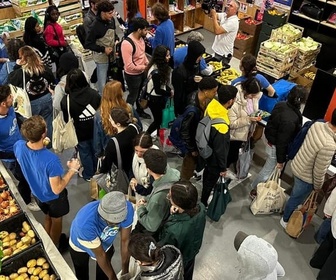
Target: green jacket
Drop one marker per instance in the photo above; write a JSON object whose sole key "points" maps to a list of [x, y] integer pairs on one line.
{"points": [[185, 233], [156, 211]]}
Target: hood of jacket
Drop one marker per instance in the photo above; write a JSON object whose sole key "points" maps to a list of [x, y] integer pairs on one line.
{"points": [[172, 175], [216, 110], [82, 96], [258, 259], [170, 268]]}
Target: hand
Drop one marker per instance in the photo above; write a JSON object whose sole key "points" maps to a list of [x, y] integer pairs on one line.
{"points": [[327, 216], [223, 173], [73, 163], [108, 50], [213, 13], [280, 165], [51, 90], [125, 276], [173, 210], [133, 183], [255, 119], [194, 153], [141, 202], [171, 93]]}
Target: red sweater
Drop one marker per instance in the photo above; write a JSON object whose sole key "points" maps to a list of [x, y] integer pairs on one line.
{"points": [[50, 36]]}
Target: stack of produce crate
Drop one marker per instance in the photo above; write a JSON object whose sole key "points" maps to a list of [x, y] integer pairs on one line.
{"points": [[71, 15]]}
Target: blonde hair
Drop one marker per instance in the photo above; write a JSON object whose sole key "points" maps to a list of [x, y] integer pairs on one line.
{"points": [[112, 98], [32, 62]]}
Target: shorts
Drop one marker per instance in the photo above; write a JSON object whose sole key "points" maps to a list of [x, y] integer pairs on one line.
{"points": [[55, 208]]}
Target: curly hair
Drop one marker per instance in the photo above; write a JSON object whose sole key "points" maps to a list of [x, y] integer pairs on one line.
{"points": [[160, 60], [32, 62], [112, 98], [13, 47], [104, 6]]}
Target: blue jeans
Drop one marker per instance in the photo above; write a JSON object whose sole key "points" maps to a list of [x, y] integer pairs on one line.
{"points": [[43, 107], [88, 158], [300, 192], [101, 76], [134, 83], [268, 167]]}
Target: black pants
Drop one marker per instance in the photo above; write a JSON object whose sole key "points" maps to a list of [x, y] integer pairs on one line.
{"points": [[81, 264], [189, 270], [156, 105], [210, 178], [223, 58], [233, 153], [134, 83]]}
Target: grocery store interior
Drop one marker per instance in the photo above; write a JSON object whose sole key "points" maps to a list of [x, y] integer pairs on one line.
{"points": [[217, 258]]}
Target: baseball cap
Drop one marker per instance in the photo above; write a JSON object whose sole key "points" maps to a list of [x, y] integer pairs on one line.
{"points": [[113, 207]]}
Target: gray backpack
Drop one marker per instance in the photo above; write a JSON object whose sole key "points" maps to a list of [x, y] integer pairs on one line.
{"points": [[203, 135]]}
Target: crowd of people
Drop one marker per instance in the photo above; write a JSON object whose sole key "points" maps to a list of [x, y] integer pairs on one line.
{"points": [[163, 231]]}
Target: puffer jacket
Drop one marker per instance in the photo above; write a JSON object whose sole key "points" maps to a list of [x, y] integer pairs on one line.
{"points": [[239, 118], [219, 139], [282, 126], [330, 210], [314, 156], [170, 268]]}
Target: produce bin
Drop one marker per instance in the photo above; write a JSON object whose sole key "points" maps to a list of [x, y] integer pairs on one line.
{"points": [[275, 20], [7, 206], [251, 29]]}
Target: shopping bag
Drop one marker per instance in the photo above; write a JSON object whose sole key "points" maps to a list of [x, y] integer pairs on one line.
{"points": [[94, 188], [302, 216], [220, 200], [244, 160], [167, 145], [168, 115], [270, 197]]}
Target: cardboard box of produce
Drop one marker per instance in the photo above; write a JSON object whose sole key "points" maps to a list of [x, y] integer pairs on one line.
{"points": [[249, 26], [33, 263], [17, 235], [8, 205], [237, 53], [243, 41]]}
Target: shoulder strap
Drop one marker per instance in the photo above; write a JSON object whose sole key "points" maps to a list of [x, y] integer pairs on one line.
{"points": [[128, 39], [118, 152], [7, 67], [136, 128], [218, 121], [56, 34], [154, 71], [23, 79], [68, 107]]}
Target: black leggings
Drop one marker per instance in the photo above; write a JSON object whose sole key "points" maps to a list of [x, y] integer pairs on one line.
{"points": [[81, 264], [156, 105]]}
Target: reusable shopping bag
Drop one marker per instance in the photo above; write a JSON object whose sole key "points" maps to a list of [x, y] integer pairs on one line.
{"points": [[270, 197], [168, 114], [94, 188], [302, 216], [64, 134], [167, 145], [244, 160], [220, 200]]}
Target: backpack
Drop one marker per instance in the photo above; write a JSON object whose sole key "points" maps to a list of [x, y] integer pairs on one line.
{"points": [[144, 95], [119, 58], [203, 135], [175, 132], [297, 142], [81, 34]]}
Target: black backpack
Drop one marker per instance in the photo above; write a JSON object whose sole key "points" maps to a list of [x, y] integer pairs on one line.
{"points": [[119, 58], [81, 34]]}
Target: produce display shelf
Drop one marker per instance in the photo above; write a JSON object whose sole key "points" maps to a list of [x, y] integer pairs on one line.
{"points": [[288, 54]]}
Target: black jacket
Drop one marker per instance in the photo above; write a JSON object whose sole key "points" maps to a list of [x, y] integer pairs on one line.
{"points": [[83, 106], [282, 127]]}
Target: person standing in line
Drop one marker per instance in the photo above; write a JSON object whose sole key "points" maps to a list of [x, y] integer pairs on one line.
{"points": [[91, 15], [226, 27], [135, 64], [185, 226], [101, 39], [158, 86], [311, 163], [93, 232], [219, 140], [164, 33], [207, 89], [48, 185], [282, 126]]}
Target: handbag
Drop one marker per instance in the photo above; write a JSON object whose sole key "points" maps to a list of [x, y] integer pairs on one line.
{"points": [[64, 134], [220, 200], [116, 179], [144, 95], [302, 216], [94, 188], [312, 11], [21, 102], [168, 114], [244, 160], [270, 197]]}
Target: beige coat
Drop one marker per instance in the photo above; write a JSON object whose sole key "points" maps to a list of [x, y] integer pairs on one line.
{"points": [[314, 156], [239, 118]]}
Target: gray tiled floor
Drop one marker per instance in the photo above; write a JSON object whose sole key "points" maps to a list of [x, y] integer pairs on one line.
{"points": [[217, 259]]}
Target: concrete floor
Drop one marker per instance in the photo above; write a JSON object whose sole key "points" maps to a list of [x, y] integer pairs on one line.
{"points": [[217, 259]]}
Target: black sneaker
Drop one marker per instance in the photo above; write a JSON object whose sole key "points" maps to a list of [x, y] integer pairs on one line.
{"points": [[63, 243], [144, 115]]}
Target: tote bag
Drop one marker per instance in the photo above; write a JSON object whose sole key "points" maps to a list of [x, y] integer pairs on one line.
{"points": [[244, 160], [168, 115], [64, 134], [302, 216], [270, 197], [220, 200]]}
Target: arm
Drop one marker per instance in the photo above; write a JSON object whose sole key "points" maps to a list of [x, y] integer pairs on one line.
{"points": [[285, 133], [186, 135], [158, 38], [321, 164], [206, 70], [90, 42], [104, 263], [124, 240], [49, 36], [218, 29], [221, 145], [236, 118], [266, 85]]}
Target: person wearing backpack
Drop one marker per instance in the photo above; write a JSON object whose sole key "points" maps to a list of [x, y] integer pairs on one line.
{"points": [[282, 126], [311, 163], [219, 139], [194, 112]]}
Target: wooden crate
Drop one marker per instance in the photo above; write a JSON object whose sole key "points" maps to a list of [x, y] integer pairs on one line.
{"points": [[19, 10], [251, 29], [280, 36], [244, 44]]}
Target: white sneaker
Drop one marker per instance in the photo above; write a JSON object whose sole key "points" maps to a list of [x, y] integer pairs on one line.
{"points": [[283, 223], [32, 206]]}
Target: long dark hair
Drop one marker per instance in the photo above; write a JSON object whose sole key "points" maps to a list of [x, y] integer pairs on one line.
{"points": [[75, 80], [29, 30], [47, 16], [251, 86], [249, 64], [159, 59], [132, 9]]}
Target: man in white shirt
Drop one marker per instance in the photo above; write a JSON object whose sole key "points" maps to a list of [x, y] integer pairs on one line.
{"points": [[226, 27]]}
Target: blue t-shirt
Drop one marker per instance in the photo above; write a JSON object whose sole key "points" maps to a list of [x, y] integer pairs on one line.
{"points": [[9, 131], [181, 53], [164, 35], [88, 225], [262, 80], [37, 167]]}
